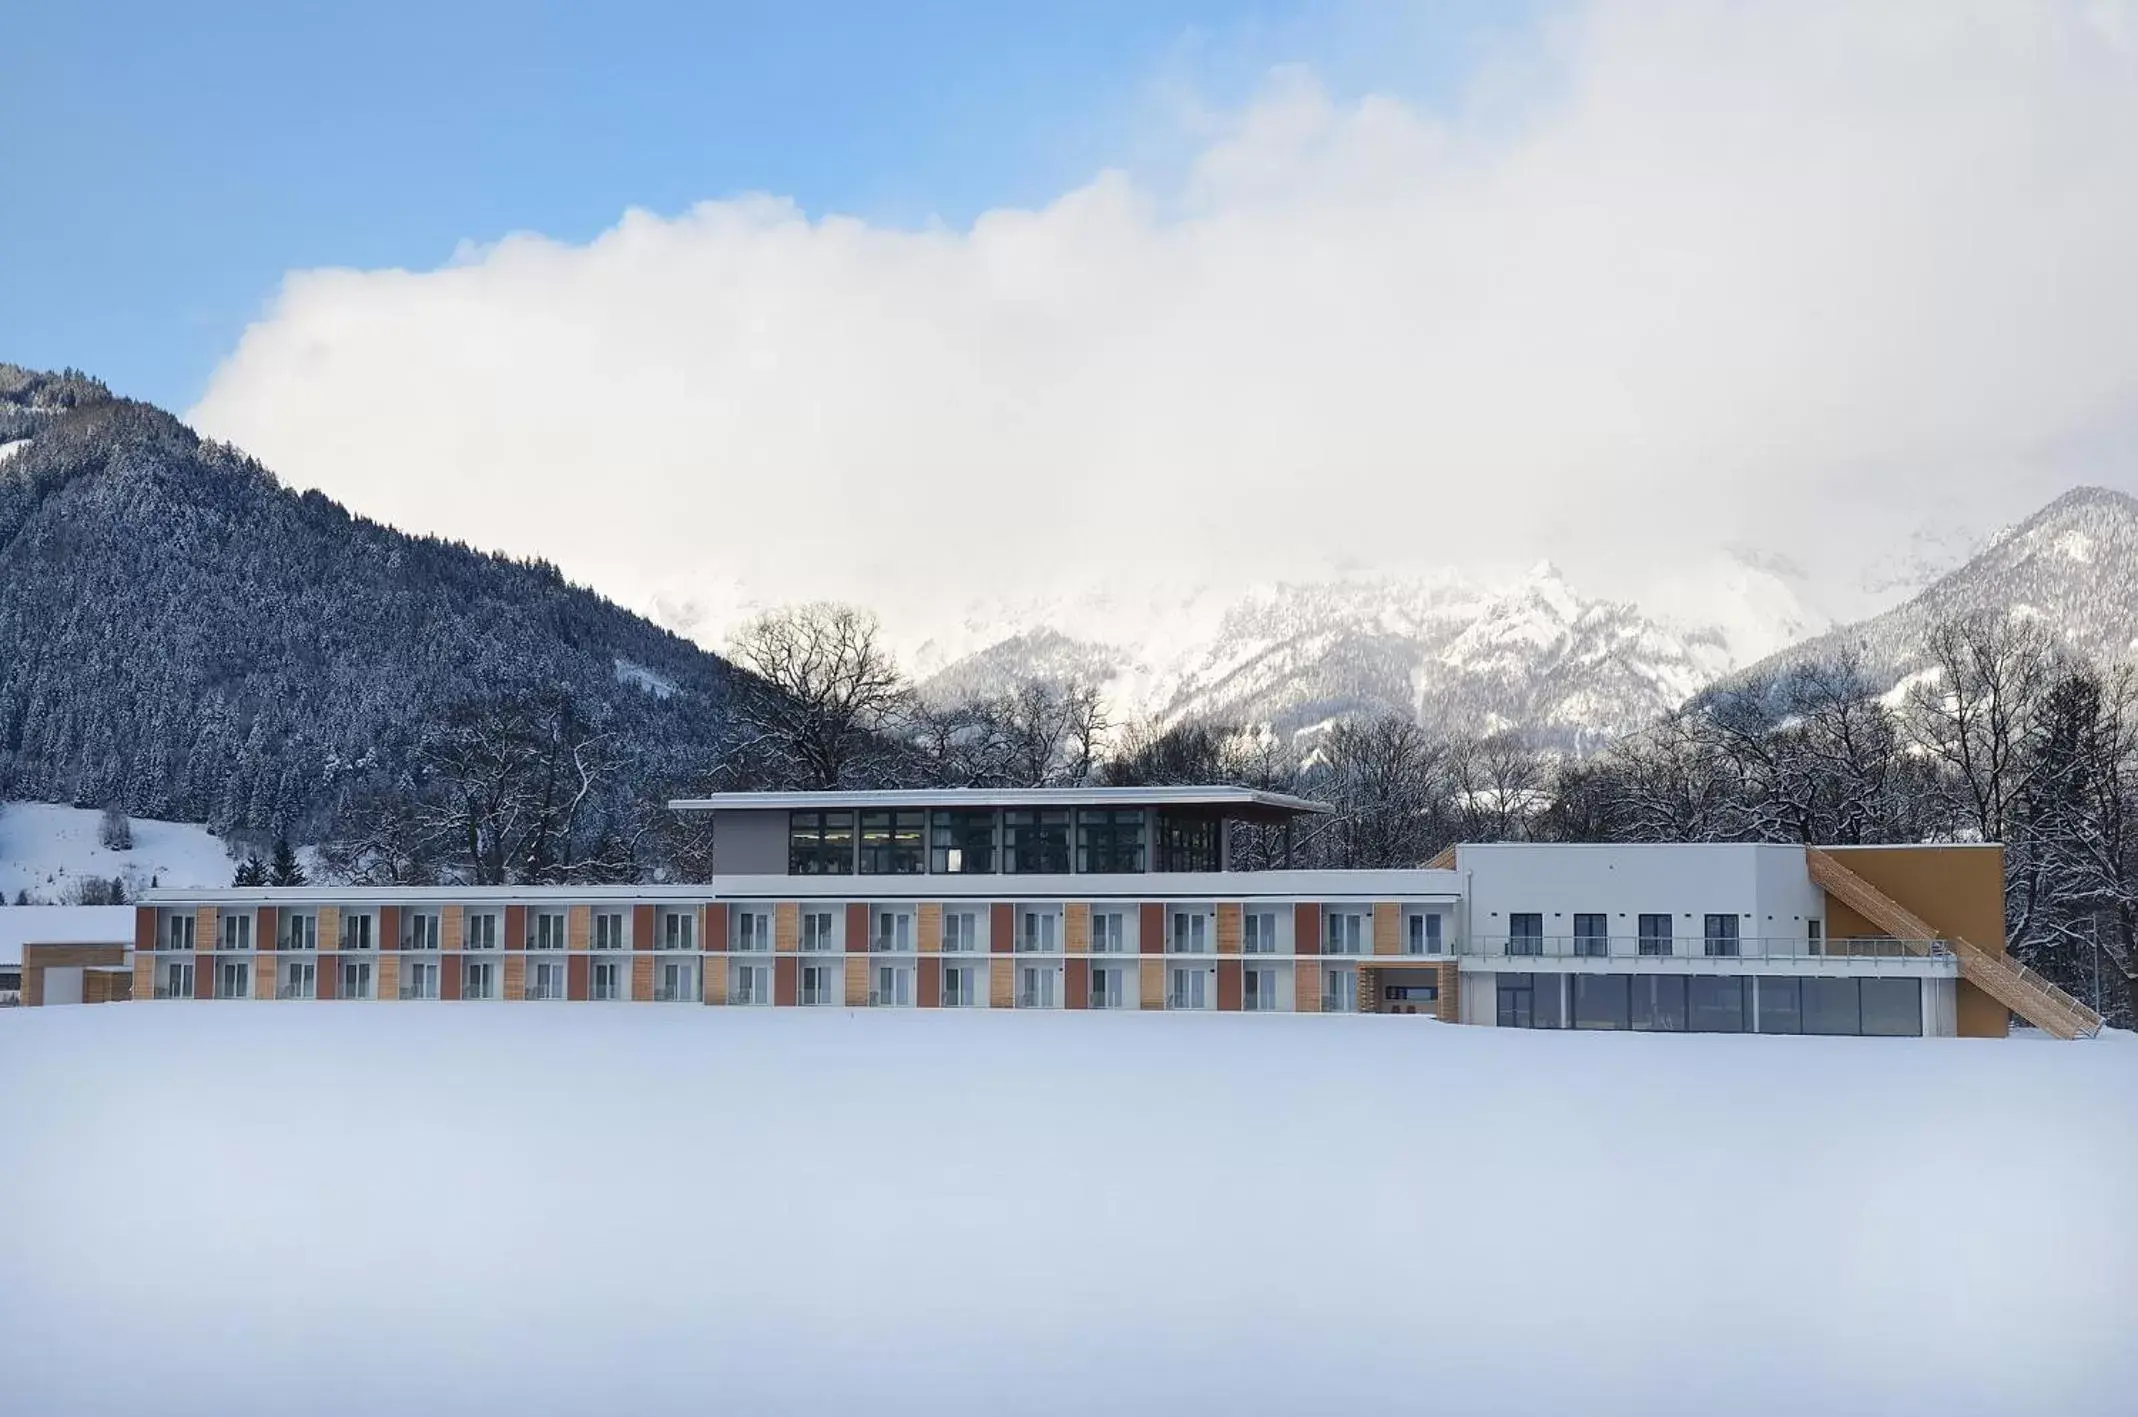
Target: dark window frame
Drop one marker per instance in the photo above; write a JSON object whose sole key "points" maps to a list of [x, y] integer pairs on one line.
{"points": [[1036, 841], [900, 844], [810, 849], [1110, 841]]}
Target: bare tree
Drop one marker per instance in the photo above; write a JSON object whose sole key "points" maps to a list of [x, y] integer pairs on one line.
{"points": [[1970, 713], [1498, 786], [827, 691]]}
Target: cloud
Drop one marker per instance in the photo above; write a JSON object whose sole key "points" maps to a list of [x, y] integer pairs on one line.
{"points": [[1668, 277]]}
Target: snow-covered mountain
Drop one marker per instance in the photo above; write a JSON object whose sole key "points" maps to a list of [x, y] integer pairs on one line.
{"points": [[2073, 565], [1463, 655]]}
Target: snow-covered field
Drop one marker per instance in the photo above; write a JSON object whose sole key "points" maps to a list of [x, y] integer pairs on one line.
{"points": [[350, 1208], [45, 848]]}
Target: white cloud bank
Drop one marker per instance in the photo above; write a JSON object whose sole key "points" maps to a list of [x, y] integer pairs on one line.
{"points": [[1801, 275]]}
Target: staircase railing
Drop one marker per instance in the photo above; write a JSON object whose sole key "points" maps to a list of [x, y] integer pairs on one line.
{"points": [[2004, 979]]}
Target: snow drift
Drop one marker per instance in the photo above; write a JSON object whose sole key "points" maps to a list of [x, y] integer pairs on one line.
{"points": [[480, 1209]]}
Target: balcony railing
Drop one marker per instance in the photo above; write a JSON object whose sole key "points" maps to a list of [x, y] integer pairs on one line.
{"points": [[1031, 999], [1187, 1001], [663, 994], [1640, 947], [419, 991], [296, 991]]}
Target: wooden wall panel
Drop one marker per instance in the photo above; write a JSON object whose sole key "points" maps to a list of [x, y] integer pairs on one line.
{"points": [[1229, 988], [329, 926], [1229, 929], [928, 983], [578, 927], [577, 970], [144, 929], [857, 981], [206, 921], [1076, 984], [1306, 987], [1449, 1005], [1151, 984], [857, 927], [786, 927], [269, 921], [1306, 932], [1001, 929], [713, 980], [786, 981], [389, 976], [715, 934], [263, 976], [515, 976], [145, 968], [1001, 983], [325, 969], [449, 934], [389, 928], [515, 928], [645, 927], [1076, 930], [449, 962], [642, 979], [1387, 928], [1151, 931], [928, 927]]}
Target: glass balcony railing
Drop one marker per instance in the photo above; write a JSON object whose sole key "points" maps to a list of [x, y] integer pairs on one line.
{"points": [[1638, 947]]}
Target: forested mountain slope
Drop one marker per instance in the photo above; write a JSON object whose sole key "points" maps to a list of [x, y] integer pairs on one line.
{"points": [[183, 636]]}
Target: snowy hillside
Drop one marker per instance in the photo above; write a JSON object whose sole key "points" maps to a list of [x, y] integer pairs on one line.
{"points": [[2073, 565], [685, 1210], [46, 849]]}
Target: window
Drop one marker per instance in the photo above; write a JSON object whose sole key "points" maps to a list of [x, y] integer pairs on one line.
{"points": [[1423, 934], [1831, 1006], [604, 980], [1036, 986], [177, 980], [1345, 933], [1035, 931], [820, 984], [820, 844], [958, 982], [419, 979], [1531, 1000], [1814, 932], [1592, 935], [750, 984], [1525, 933], [1719, 939], [1892, 1008], [1657, 1003], [179, 934], [960, 931], [1188, 843], [1105, 987], [1191, 988], [478, 980], [1781, 1004], [355, 979], [545, 980], [1258, 990], [962, 843], [300, 980], [545, 930], [300, 932], [1036, 842], [891, 843], [752, 930], [1108, 932], [1339, 991], [819, 931], [679, 931], [1190, 933], [233, 980], [893, 988], [1109, 842], [479, 932], [894, 932], [1410, 998], [419, 931], [1717, 1004], [355, 932], [609, 930], [237, 932], [1602, 1000], [1655, 935], [676, 982], [1259, 932]]}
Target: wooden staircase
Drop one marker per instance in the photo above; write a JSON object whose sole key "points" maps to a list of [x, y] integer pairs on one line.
{"points": [[2010, 983]]}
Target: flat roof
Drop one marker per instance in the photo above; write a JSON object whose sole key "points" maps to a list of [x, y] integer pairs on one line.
{"points": [[1246, 799]]}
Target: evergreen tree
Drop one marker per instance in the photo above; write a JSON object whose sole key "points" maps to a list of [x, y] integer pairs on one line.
{"points": [[283, 870], [250, 872]]}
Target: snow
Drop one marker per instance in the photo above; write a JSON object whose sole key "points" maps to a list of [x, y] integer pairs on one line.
{"points": [[11, 447], [638, 675], [602, 1209], [45, 848], [63, 925]]}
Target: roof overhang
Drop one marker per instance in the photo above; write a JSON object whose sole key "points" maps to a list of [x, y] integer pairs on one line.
{"points": [[1242, 802]]}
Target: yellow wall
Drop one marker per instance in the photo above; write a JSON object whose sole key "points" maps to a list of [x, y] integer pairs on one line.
{"points": [[1957, 890]]}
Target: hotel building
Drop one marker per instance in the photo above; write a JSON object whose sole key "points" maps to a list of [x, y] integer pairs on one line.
{"points": [[1121, 898]]}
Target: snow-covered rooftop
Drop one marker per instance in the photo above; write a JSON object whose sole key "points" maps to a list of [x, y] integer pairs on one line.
{"points": [[62, 925], [1243, 798]]}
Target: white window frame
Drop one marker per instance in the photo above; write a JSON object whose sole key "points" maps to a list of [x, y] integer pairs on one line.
{"points": [[1341, 983], [422, 930], [1109, 932], [299, 979], [237, 930], [751, 932], [545, 930], [1188, 932], [358, 970], [1258, 989], [1038, 930], [891, 931], [181, 934], [300, 931], [1259, 932], [1345, 932], [961, 932], [960, 987], [820, 931], [1423, 933], [605, 981], [820, 986], [750, 984], [679, 931], [608, 932], [357, 934], [479, 930], [419, 979], [478, 979]]}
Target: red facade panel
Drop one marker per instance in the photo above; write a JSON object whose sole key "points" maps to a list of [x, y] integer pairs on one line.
{"points": [[1228, 985], [1151, 929], [204, 976], [785, 981], [716, 928], [928, 979], [449, 976], [389, 927], [575, 978], [145, 927], [1076, 984], [1001, 929], [642, 927], [1306, 929], [515, 927]]}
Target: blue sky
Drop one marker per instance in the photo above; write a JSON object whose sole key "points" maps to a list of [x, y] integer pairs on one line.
{"points": [[169, 163]]}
